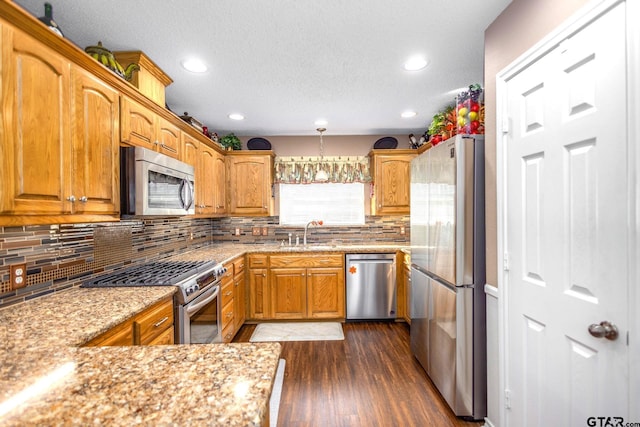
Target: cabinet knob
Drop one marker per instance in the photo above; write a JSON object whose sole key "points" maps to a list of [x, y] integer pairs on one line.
{"points": [[72, 198], [83, 199], [264, 274], [302, 274]]}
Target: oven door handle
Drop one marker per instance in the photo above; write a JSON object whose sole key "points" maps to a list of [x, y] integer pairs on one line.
{"points": [[192, 308]]}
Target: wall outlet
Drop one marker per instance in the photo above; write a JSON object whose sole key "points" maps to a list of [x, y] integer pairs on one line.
{"points": [[265, 231], [18, 276], [402, 230], [255, 231], [237, 231]]}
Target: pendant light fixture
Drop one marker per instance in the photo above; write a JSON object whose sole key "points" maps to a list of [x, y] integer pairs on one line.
{"points": [[321, 175]]}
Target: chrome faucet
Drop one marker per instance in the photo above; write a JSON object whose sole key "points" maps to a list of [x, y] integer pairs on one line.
{"points": [[314, 223]]}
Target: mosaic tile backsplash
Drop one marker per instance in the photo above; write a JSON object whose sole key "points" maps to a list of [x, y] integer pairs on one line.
{"points": [[63, 255]]}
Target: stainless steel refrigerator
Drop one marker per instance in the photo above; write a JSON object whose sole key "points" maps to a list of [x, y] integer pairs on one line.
{"points": [[448, 332]]}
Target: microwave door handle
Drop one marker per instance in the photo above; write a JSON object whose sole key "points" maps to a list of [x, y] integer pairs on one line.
{"points": [[186, 192]]}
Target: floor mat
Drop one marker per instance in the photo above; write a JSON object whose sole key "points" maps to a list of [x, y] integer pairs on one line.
{"points": [[303, 331]]}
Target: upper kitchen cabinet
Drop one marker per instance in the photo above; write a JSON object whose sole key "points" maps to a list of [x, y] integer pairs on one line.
{"points": [[210, 175], [142, 127], [94, 120], [391, 171], [250, 178], [59, 139]]}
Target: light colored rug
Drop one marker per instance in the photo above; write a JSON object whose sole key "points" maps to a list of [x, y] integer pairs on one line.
{"points": [[274, 401], [302, 331]]}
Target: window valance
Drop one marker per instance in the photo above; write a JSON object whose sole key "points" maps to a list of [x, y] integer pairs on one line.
{"points": [[303, 170]]}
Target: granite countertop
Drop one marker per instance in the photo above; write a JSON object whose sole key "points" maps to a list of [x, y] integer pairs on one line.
{"points": [[224, 253], [47, 379]]}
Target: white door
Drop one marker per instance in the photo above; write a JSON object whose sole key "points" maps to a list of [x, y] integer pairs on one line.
{"points": [[567, 229]]}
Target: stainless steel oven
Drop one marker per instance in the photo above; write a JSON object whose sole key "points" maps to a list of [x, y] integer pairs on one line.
{"points": [[199, 320]]}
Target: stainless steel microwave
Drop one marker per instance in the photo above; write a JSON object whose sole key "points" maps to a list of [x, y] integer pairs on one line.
{"points": [[153, 183]]}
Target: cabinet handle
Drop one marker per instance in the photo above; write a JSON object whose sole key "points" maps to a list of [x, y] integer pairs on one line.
{"points": [[164, 319], [230, 314], [72, 198], [166, 147], [228, 293]]}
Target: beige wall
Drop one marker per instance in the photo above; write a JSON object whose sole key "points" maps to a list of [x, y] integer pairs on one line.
{"points": [[350, 145], [522, 24]]}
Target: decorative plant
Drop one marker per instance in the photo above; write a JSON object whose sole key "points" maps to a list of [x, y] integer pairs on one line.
{"points": [[231, 141]]}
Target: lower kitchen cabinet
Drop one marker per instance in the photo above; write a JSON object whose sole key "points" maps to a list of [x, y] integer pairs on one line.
{"points": [[153, 326], [227, 302], [239, 293], [406, 280], [296, 287], [325, 293], [288, 293]]}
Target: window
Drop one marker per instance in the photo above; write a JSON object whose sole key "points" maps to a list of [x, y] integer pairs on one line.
{"points": [[335, 204]]}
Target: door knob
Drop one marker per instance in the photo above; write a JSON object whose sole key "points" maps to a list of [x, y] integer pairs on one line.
{"points": [[604, 330]]}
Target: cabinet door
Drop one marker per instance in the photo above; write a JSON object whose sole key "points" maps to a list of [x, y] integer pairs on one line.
{"points": [[258, 294], [168, 137], [288, 293], [392, 183], [35, 139], [239, 300], [96, 138], [219, 183], [325, 293], [207, 183], [407, 294], [137, 124], [249, 184]]}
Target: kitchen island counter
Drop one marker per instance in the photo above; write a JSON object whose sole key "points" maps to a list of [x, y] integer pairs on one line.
{"points": [[47, 379]]}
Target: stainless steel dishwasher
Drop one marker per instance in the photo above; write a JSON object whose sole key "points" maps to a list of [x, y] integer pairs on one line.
{"points": [[371, 286]]}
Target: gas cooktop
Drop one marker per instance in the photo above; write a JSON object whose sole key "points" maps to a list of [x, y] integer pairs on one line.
{"points": [[157, 273], [191, 277]]}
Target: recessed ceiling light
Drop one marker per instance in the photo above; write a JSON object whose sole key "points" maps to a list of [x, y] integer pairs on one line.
{"points": [[236, 116], [408, 114], [321, 122], [415, 63], [194, 65]]}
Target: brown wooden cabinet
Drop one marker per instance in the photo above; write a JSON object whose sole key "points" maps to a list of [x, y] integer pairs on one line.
{"points": [[250, 177], [95, 109], [153, 326], [288, 293], [142, 127], [391, 171], [218, 182], [301, 286], [59, 140], [227, 303], [239, 293], [210, 172]]}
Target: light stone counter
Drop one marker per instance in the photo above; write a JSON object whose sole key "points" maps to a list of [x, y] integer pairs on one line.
{"points": [[224, 253], [46, 379]]}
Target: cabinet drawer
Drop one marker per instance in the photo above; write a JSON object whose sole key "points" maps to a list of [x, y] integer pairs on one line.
{"points": [[165, 338], [227, 333], [258, 261], [153, 323], [120, 335], [321, 260], [228, 276], [227, 314], [227, 292], [238, 265]]}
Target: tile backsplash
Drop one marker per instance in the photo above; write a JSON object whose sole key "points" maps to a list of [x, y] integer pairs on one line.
{"points": [[59, 256]]}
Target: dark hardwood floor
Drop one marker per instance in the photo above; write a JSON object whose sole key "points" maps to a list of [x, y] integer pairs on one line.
{"points": [[369, 379]]}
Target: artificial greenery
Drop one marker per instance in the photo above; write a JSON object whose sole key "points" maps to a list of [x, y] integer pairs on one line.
{"points": [[232, 141]]}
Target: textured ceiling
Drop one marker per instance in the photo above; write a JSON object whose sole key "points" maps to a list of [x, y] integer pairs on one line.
{"points": [[285, 63]]}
